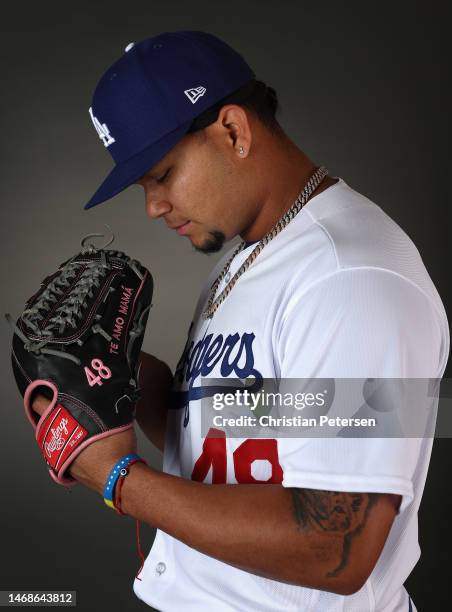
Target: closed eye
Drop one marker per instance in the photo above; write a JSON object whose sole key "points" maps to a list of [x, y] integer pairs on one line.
{"points": [[163, 178]]}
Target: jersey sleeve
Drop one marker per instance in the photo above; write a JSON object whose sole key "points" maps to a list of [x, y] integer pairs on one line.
{"points": [[359, 324]]}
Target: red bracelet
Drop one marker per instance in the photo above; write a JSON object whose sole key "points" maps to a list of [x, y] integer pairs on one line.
{"points": [[117, 504], [123, 473]]}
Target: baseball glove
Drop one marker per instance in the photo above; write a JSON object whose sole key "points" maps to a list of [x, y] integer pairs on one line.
{"points": [[78, 343]]}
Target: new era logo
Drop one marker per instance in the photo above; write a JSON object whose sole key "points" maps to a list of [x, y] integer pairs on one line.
{"points": [[102, 130], [194, 93]]}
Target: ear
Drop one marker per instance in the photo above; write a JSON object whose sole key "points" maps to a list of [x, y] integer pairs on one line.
{"points": [[234, 126]]}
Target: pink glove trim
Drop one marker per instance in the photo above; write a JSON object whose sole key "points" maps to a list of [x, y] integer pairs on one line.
{"points": [[59, 451]]}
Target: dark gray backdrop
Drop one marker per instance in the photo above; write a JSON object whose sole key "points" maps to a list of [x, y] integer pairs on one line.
{"points": [[362, 88]]}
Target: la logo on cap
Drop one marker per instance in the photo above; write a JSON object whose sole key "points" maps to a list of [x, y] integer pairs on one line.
{"points": [[102, 130]]}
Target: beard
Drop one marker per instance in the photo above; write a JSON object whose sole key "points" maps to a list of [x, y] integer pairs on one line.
{"points": [[213, 243]]}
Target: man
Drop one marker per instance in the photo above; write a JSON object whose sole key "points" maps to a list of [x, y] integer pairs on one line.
{"points": [[337, 290]]}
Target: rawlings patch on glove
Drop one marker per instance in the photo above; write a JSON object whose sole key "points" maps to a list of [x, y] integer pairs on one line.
{"points": [[78, 343]]}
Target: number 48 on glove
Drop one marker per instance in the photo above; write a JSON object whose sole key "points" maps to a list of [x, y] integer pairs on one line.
{"points": [[78, 343]]}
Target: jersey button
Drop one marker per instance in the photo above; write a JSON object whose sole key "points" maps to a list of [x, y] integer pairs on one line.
{"points": [[160, 568]]}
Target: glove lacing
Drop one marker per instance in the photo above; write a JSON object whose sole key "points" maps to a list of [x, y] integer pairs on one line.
{"points": [[90, 275]]}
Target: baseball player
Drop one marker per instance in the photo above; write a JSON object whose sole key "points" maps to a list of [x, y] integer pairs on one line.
{"points": [[322, 285]]}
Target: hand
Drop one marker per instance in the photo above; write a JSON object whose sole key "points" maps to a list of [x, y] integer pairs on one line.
{"points": [[92, 466]]}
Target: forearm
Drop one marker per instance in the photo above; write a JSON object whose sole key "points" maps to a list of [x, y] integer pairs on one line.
{"points": [[155, 382], [257, 528], [323, 540]]}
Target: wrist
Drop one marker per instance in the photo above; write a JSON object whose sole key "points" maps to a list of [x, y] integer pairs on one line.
{"points": [[117, 476], [93, 465], [95, 477], [129, 486]]}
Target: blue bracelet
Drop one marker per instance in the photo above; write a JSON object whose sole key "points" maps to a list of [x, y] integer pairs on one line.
{"points": [[115, 473]]}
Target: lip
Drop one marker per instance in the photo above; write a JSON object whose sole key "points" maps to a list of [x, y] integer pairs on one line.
{"points": [[174, 227], [182, 229]]}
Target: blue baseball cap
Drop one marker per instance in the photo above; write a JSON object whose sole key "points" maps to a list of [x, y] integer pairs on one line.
{"points": [[146, 102]]}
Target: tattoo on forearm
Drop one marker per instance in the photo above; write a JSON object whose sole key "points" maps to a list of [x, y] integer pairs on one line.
{"points": [[334, 512]]}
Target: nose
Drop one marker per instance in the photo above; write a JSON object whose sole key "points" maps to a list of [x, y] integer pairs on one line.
{"points": [[155, 207]]}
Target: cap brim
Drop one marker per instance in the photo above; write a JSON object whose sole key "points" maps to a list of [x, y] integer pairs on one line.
{"points": [[127, 172]]}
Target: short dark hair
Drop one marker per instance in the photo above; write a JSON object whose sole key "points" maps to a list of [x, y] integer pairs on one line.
{"points": [[254, 95]]}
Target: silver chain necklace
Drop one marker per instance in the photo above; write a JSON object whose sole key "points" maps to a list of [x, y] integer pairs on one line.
{"points": [[311, 185]]}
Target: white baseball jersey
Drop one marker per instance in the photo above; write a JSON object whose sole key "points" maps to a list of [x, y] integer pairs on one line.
{"points": [[341, 292]]}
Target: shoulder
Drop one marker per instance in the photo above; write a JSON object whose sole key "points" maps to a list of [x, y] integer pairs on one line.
{"points": [[344, 233], [360, 233], [360, 287], [365, 320]]}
